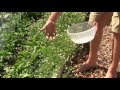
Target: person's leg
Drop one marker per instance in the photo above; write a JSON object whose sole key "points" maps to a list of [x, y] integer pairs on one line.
{"points": [[101, 21], [112, 73]]}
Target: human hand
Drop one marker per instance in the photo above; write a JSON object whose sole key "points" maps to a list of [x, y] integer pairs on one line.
{"points": [[49, 30]]}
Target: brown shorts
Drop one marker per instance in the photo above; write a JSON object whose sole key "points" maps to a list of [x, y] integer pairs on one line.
{"points": [[105, 19]]}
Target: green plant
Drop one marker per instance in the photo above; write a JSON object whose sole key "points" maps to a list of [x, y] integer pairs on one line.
{"points": [[38, 57]]}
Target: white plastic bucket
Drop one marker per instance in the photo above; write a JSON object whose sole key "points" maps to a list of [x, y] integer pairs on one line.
{"points": [[81, 33]]}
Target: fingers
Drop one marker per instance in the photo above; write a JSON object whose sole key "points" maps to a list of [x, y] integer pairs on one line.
{"points": [[50, 36], [43, 29], [49, 30]]}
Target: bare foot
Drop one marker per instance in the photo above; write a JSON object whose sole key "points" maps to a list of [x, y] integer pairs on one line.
{"points": [[85, 67]]}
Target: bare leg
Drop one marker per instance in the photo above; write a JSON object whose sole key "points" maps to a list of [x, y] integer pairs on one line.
{"points": [[94, 44], [112, 73], [94, 47]]}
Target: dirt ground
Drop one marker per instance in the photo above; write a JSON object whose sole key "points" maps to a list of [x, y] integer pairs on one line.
{"points": [[104, 59]]}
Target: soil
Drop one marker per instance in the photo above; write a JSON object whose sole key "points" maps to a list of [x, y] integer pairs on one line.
{"points": [[103, 62]]}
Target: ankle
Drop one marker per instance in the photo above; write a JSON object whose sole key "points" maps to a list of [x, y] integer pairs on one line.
{"points": [[91, 63], [111, 75], [112, 69], [113, 72]]}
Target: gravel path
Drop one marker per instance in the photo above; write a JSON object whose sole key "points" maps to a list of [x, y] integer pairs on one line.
{"points": [[104, 59]]}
